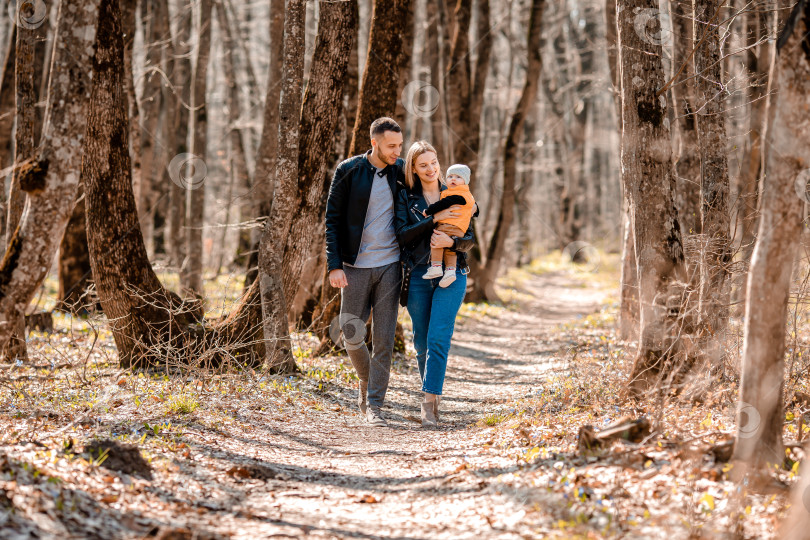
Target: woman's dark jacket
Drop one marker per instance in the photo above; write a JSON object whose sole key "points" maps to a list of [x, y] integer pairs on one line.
{"points": [[414, 230], [347, 204]]}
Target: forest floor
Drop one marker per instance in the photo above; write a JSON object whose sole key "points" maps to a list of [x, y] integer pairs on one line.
{"points": [[250, 456]]}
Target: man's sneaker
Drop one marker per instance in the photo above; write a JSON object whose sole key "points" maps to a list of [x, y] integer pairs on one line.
{"points": [[433, 272], [375, 417], [449, 277], [362, 391]]}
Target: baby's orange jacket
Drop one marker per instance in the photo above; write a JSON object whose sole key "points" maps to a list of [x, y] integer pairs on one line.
{"points": [[462, 221]]}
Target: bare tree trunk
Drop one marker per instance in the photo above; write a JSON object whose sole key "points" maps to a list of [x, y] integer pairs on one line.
{"points": [[483, 47], [195, 210], [179, 108], [759, 416], [458, 85], [24, 145], [352, 82], [129, 29], [629, 316], [435, 57], [264, 177], [156, 37], [687, 159], [321, 112], [74, 261], [327, 302], [50, 180], [484, 280], [238, 160], [131, 295], [277, 227], [758, 62], [151, 326], [628, 296], [378, 91], [7, 113], [405, 59], [715, 216], [647, 174], [238, 137]]}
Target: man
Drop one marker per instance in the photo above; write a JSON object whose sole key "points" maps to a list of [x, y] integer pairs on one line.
{"points": [[362, 255]]}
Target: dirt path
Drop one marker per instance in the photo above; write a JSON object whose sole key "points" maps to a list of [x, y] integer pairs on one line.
{"points": [[339, 477], [235, 458]]}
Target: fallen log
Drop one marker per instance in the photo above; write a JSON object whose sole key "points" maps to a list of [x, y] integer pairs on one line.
{"points": [[625, 429]]}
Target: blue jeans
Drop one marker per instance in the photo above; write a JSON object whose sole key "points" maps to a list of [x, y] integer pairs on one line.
{"points": [[433, 311]]}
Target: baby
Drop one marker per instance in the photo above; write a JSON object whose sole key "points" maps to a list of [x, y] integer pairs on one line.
{"points": [[457, 192]]}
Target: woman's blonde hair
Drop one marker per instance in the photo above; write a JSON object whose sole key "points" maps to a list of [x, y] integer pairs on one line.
{"points": [[417, 149]]}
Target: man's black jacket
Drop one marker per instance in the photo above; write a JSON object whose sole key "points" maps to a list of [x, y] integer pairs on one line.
{"points": [[347, 204]]}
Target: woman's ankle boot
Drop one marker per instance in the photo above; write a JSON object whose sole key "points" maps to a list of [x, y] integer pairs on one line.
{"points": [[436, 407], [429, 411]]}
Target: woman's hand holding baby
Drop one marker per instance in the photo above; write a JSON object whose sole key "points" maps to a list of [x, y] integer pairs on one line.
{"points": [[440, 240], [448, 213]]}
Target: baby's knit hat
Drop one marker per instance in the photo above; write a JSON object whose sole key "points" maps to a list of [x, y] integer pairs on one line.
{"points": [[461, 170]]}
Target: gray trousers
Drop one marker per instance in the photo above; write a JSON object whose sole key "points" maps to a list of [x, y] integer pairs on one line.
{"points": [[372, 291]]}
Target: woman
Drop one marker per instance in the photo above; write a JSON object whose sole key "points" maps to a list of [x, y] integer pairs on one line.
{"points": [[432, 308]]}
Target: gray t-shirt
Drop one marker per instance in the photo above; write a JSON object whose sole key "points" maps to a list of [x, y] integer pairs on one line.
{"points": [[378, 246]]}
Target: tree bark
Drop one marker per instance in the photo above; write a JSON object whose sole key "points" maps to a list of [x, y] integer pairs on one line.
{"points": [[321, 113], [352, 82], [151, 326], [628, 296], [50, 179], [716, 254], [484, 279], [758, 63], [435, 57], [237, 136], [156, 37], [760, 417], [129, 29], [195, 209], [24, 144], [378, 90], [264, 177], [647, 175], [459, 86], [277, 227], [687, 159], [629, 316], [405, 59], [238, 161], [7, 113], [74, 261], [179, 114], [327, 301]]}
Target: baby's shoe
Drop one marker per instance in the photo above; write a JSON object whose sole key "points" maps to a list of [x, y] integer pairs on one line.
{"points": [[449, 276], [433, 272]]}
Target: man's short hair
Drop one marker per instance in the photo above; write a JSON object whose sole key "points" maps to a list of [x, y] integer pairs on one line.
{"points": [[381, 125]]}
